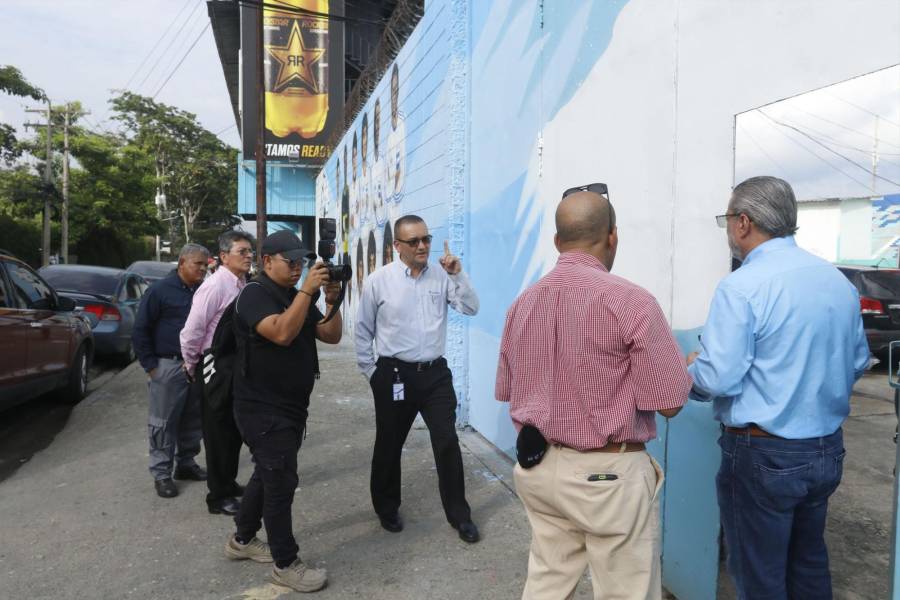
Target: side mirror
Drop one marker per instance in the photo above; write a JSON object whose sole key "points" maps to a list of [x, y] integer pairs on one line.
{"points": [[65, 304]]}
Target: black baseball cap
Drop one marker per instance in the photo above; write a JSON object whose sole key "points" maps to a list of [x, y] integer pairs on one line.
{"points": [[287, 244]]}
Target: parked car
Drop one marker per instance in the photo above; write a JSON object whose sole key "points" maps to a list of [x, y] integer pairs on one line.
{"points": [[44, 344], [110, 297], [879, 303], [151, 270]]}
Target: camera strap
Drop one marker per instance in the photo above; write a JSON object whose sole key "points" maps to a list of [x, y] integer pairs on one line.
{"points": [[337, 305]]}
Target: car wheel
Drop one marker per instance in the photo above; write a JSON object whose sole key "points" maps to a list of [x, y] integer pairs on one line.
{"points": [[127, 357], [78, 378]]}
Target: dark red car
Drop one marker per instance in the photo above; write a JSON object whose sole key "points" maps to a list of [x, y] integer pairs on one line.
{"points": [[44, 344]]}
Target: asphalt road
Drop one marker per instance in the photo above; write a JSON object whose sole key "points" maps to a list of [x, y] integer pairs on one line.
{"points": [[102, 449], [32, 427]]}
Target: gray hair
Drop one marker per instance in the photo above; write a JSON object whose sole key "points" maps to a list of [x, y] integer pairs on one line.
{"points": [[191, 249], [769, 203], [227, 239]]}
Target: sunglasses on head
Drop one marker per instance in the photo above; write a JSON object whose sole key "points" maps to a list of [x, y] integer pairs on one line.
{"points": [[597, 188]]}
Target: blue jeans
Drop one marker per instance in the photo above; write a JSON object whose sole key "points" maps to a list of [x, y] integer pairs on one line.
{"points": [[773, 497]]}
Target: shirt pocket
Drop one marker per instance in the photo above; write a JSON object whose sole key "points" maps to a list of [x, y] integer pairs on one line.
{"points": [[433, 304]]}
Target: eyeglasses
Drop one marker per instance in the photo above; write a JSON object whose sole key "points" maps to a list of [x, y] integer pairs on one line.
{"points": [[414, 242], [293, 264], [244, 252], [722, 220], [597, 188]]}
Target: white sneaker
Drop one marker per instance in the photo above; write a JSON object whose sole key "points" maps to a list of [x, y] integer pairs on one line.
{"points": [[255, 549], [300, 577]]}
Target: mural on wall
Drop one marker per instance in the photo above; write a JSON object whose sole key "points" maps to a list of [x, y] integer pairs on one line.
{"points": [[392, 160]]}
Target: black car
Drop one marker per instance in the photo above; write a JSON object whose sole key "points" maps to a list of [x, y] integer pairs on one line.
{"points": [[879, 303], [151, 270], [109, 297]]}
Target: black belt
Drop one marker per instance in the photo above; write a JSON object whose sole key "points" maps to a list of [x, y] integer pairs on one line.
{"points": [[170, 356], [413, 366]]}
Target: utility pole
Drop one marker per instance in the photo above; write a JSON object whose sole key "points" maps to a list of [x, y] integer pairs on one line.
{"points": [[261, 226], [64, 241], [48, 182], [875, 156]]}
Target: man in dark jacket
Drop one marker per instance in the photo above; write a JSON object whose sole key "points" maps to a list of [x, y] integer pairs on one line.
{"points": [[174, 421]]}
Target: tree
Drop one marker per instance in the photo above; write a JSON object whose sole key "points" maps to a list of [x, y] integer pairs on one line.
{"points": [[192, 166], [14, 83]]}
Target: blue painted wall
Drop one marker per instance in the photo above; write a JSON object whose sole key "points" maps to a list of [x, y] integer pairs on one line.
{"points": [[289, 190]]}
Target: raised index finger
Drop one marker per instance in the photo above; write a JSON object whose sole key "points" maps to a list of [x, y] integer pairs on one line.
{"points": [[446, 247]]}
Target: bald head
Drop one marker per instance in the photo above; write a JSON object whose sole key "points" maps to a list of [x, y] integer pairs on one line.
{"points": [[584, 218]]}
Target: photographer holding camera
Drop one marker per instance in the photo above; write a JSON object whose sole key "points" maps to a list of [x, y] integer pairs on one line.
{"points": [[276, 327]]}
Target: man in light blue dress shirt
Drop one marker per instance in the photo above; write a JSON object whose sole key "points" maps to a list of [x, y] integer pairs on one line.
{"points": [[403, 310], [782, 347]]}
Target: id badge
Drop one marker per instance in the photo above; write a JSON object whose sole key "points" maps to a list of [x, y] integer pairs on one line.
{"points": [[398, 387]]}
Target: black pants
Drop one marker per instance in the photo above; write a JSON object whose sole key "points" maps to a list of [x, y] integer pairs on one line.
{"points": [[429, 392], [274, 443], [222, 441]]}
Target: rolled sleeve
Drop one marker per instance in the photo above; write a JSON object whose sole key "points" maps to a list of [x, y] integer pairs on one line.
{"points": [[203, 309], [461, 295], [504, 373], [727, 347]]}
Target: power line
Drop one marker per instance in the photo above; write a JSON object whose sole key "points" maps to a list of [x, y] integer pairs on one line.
{"points": [[180, 61], [835, 152], [221, 131], [774, 162], [838, 143], [164, 52], [312, 13], [150, 53], [865, 110], [805, 148], [190, 32], [842, 126]]}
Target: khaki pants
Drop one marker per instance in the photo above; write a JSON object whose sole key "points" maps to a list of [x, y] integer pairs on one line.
{"points": [[612, 525]]}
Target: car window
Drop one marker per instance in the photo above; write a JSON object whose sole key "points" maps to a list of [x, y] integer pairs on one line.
{"points": [[31, 290], [881, 284], [73, 279], [6, 301], [134, 291], [143, 287]]}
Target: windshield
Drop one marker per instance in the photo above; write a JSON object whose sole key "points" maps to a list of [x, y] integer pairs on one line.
{"points": [[75, 280], [881, 284], [152, 269]]}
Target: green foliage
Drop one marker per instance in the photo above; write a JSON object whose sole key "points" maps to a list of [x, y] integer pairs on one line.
{"points": [[114, 178], [14, 83]]}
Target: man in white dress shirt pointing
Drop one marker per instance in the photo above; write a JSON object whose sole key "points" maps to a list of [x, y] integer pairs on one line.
{"points": [[403, 310]]}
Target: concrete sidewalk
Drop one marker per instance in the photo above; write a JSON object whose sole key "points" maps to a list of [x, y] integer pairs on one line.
{"points": [[82, 520]]}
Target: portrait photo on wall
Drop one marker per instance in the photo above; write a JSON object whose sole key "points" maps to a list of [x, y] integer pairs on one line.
{"points": [[387, 245]]}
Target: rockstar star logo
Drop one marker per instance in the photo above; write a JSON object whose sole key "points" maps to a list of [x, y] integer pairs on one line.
{"points": [[295, 62]]}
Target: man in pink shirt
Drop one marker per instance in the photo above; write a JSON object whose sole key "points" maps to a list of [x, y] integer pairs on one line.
{"points": [[221, 437], [586, 361]]}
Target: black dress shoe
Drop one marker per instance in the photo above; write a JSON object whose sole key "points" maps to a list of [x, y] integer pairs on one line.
{"points": [[165, 488], [193, 472], [392, 523], [228, 506], [468, 532]]}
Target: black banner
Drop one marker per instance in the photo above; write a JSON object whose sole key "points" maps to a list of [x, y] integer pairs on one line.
{"points": [[303, 58]]}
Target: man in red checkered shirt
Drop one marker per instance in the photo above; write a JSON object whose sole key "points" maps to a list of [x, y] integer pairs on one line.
{"points": [[587, 359]]}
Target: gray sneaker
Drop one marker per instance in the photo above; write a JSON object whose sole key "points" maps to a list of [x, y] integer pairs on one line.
{"points": [[300, 577], [255, 549]]}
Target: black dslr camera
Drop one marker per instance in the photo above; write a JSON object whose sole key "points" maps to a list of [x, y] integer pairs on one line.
{"points": [[327, 235]]}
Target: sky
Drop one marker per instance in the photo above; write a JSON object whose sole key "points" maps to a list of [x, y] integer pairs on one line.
{"points": [[823, 141], [83, 49]]}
